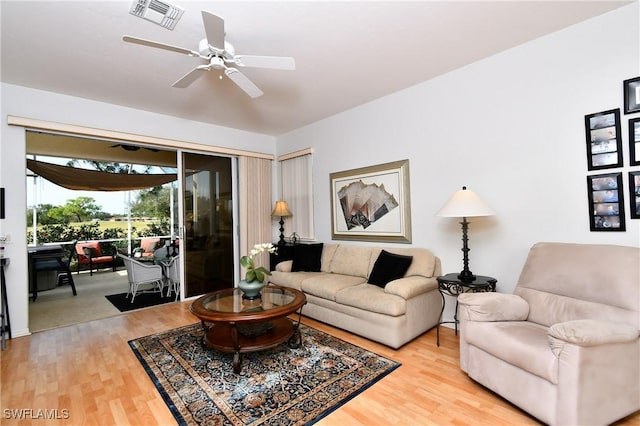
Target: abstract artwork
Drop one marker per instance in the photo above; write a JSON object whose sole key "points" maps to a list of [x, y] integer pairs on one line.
{"points": [[372, 203]]}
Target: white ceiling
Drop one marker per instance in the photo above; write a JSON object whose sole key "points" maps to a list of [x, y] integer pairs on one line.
{"points": [[347, 52]]}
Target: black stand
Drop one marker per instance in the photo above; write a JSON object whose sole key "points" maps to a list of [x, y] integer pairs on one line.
{"points": [[281, 242], [6, 322], [465, 275]]}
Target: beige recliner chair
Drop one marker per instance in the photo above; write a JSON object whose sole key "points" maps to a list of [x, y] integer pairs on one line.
{"points": [[565, 347]]}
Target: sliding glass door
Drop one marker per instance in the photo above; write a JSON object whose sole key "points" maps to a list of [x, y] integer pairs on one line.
{"points": [[207, 216]]}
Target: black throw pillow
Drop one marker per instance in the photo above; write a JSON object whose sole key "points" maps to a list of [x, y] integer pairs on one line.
{"points": [[389, 267], [307, 257]]}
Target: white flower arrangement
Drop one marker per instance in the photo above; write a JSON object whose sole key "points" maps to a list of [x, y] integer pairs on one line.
{"points": [[256, 274]]}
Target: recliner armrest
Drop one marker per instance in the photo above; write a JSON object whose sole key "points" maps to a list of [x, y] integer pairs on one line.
{"points": [[492, 307], [590, 332]]}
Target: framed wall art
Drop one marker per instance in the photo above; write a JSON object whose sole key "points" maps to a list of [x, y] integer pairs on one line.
{"points": [[371, 203], [604, 143], [606, 202], [634, 194], [631, 89], [634, 141]]}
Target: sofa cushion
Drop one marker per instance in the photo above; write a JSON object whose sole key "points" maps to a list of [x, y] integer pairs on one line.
{"points": [[327, 285], [372, 298], [351, 260], [521, 343], [290, 279], [327, 254], [389, 267], [307, 257]]}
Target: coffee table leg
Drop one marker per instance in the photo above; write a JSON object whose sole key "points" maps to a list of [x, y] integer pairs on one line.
{"points": [[237, 362], [295, 341]]}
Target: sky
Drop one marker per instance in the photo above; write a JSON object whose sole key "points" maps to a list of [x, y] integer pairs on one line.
{"points": [[46, 192], [50, 193]]}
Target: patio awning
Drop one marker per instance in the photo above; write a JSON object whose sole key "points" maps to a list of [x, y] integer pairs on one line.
{"points": [[93, 180]]}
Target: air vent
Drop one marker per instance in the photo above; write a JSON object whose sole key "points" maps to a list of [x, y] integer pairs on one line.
{"points": [[164, 14]]}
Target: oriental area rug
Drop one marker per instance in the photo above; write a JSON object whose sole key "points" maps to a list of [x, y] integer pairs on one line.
{"points": [[278, 386]]}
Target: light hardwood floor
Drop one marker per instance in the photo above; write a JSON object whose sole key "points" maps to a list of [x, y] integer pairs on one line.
{"points": [[89, 370]]}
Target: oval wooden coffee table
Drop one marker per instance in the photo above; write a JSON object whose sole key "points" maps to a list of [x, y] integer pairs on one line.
{"points": [[233, 324]]}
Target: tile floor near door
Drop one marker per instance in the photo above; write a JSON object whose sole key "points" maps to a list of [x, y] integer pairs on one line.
{"points": [[58, 307]]}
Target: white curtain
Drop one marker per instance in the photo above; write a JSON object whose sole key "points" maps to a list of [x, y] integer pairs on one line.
{"points": [[254, 185], [297, 191]]}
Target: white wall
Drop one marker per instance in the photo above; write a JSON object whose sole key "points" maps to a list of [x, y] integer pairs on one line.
{"points": [[510, 128], [36, 104]]}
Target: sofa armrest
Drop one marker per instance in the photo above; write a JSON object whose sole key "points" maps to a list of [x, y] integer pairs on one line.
{"points": [[492, 307], [284, 266], [412, 286], [590, 332]]}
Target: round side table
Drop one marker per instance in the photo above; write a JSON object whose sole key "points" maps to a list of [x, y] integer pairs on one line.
{"points": [[451, 285]]}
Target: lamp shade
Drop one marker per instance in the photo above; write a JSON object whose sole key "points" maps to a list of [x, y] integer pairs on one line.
{"points": [[281, 209], [465, 203]]}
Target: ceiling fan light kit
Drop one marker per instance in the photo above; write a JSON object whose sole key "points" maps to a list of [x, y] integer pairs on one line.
{"points": [[220, 55]]}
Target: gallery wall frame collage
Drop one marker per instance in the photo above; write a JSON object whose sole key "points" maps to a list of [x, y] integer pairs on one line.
{"points": [[604, 140]]}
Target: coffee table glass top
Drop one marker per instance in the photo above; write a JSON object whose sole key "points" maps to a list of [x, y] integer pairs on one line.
{"points": [[231, 301]]}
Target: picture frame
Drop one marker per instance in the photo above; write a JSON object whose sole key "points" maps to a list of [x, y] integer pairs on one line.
{"points": [[634, 194], [631, 88], [371, 203], [634, 141], [606, 202], [604, 142]]}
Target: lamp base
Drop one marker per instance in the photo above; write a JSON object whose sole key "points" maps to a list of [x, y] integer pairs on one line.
{"points": [[281, 242], [466, 276]]}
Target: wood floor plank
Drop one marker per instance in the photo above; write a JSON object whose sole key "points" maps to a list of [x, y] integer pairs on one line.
{"points": [[89, 372]]}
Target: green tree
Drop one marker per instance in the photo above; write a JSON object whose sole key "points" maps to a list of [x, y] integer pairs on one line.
{"points": [[153, 202], [42, 215], [78, 209]]}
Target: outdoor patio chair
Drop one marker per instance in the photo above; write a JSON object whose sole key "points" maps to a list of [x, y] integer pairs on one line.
{"points": [[148, 247], [142, 274], [90, 253], [172, 269]]}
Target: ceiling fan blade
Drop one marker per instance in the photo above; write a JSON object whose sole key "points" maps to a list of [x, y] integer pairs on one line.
{"points": [[214, 29], [157, 45], [273, 62], [190, 77], [243, 82]]}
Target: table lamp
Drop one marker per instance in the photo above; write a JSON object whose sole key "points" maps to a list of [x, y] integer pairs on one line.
{"points": [[281, 209], [464, 204]]}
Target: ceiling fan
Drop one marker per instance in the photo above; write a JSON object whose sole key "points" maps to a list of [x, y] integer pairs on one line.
{"points": [[220, 55], [132, 147]]}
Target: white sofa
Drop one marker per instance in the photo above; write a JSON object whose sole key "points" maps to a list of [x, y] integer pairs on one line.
{"points": [[338, 293]]}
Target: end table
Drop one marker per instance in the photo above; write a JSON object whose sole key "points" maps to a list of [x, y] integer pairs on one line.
{"points": [[451, 285]]}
